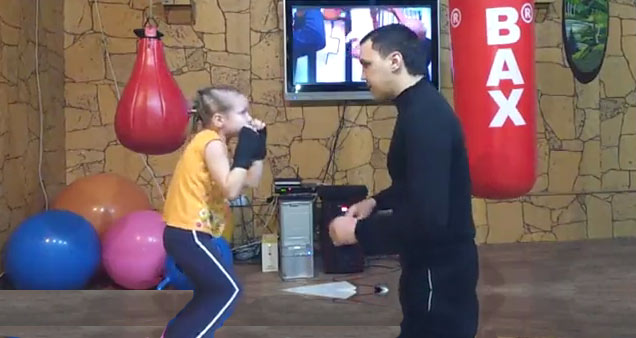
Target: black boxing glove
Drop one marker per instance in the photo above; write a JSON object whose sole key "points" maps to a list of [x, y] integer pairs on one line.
{"points": [[262, 151], [247, 148]]}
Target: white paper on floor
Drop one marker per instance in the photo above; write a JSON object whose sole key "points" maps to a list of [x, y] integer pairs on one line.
{"points": [[340, 290]]}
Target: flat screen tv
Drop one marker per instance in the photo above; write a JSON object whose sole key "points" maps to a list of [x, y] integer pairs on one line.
{"points": [[322, 43]]}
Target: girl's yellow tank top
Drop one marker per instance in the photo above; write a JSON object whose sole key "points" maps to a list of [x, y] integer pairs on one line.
{"points": [[195, 201]]}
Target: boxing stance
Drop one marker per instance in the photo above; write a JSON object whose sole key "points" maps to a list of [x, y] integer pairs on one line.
{"points": [[196, 206]]}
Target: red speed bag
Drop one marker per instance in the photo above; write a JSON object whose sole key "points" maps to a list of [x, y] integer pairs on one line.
{"points": [[152, 114], [492, 44]]}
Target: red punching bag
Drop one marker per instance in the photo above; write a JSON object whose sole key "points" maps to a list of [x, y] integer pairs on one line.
{"points": [[492, 44], [152, 114]]}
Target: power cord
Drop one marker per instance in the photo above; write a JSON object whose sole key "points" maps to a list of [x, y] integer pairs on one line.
{"points": [[330, 161], [37, 82]]}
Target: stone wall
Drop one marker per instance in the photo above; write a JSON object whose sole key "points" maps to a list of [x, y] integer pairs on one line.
{"points": [[586, 133], [20, 192]]}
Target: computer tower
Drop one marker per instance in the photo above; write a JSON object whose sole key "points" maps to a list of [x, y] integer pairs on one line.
{"points": [[296, 239], [334, 201]]}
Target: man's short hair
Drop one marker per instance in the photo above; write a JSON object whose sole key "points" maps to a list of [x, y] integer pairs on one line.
{"points": [[399, 38]]}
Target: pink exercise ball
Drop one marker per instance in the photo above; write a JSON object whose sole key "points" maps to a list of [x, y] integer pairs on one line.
{"points": [[133, 253]]}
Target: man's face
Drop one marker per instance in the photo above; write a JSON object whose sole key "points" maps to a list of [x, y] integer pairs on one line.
{"points": [[377, 71]]}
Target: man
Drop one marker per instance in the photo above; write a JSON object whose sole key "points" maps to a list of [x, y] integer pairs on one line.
{"points": [[431, 225], [309, 34], [414, 24]]}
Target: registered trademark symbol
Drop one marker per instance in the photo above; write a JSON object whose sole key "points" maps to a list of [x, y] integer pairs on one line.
{"points": [[455, 17], [527, 13]]}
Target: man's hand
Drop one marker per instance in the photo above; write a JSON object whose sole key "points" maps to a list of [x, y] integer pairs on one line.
{"points": [[342, 230], [362, 209], [354, 38]]}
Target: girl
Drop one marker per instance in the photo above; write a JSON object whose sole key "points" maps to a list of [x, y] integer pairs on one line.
{"points": [[197, 209]]}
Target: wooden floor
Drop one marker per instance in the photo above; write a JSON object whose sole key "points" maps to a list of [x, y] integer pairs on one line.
{"points": [[572, 289]]}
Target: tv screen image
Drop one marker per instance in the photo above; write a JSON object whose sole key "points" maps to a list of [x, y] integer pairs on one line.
{"points": [[328, 39], [323, 44]]}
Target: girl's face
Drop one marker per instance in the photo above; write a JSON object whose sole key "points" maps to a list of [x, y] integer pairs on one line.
{"points": [[236, 117]]}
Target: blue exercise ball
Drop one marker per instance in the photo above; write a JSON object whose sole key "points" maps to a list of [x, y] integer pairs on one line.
{"points": [[225, 250], [174, 276], [52, 250]]}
